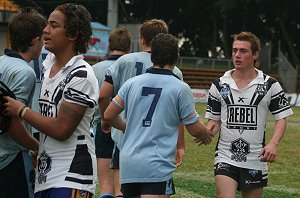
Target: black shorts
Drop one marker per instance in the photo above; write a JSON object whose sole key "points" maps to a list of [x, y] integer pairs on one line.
{"points": [[151, 188], [103, 143], [63, 192], [115, 161], [246, 178], [17, 178]]}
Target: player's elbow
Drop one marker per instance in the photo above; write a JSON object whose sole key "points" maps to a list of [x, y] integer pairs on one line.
{"points": [[63, 134]]}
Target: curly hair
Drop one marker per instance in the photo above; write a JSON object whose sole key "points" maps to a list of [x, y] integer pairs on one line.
{"points": [[77, 24], [164, 50], [25, 26]]}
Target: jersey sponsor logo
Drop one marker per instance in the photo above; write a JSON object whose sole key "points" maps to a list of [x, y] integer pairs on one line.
{"points": [[241, 99], [47, 108], [239, 148], [44, 166], [242, 117], [223, 166], [262, 89]]}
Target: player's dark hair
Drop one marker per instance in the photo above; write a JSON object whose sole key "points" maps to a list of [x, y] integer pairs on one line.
{"points": [[25, 26], [151, 28], [164, 50], [120, 40], [77, 24], [252, 39]]}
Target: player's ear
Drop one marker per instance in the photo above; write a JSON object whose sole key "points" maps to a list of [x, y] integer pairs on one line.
{"points": [[35, 41], [256, 55]]}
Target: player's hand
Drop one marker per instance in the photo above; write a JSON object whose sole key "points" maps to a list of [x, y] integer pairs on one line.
{"points": [[180, 152], [268, 153], [105, 125], [12, 106]]}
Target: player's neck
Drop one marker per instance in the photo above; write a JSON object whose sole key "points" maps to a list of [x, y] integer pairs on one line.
{"points": [[243, 77], [116, 52]]}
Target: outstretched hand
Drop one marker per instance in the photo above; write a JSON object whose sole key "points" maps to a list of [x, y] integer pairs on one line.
{"points": [[211, 133], [12, 106]]}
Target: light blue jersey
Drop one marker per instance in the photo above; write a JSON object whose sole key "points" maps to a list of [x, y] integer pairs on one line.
{"points": [[126, 67], [38, 67], [154, 104], [20, 78], [100, 70]]}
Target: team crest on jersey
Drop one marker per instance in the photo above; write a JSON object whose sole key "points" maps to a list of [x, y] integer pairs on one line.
{"points": [[225, 91], [253, 173], [283, 101], [239, 148], [261, 89], [44, 166]]}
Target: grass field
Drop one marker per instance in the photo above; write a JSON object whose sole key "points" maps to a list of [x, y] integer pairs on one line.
{"points": [[194, 178]]}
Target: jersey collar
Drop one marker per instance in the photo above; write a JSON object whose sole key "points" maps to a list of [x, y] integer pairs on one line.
{"points": [[114, 57], [12, 53], [227, 78], [153, 70]]}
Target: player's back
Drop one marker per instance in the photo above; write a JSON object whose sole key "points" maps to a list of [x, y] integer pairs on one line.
{"points": [[128, 66], [155, 104]]}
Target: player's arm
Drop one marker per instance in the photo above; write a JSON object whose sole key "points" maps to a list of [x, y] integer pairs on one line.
{"points": [[105, 95], [180, 151], [199, 130], [60, 127], [21, 135], [112, 112], [269, 152]]}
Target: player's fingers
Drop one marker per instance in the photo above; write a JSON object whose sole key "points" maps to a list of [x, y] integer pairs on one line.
{"points": [[261, 153]]}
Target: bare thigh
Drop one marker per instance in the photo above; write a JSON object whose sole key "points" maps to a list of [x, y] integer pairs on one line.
{"points": [[252, 193], [226, 187]]}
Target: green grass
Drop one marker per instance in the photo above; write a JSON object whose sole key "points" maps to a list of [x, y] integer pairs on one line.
{"points": [[194, 178]]}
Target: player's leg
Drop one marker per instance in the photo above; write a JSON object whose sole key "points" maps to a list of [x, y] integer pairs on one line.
{"points": [[252, 193], [226, 177], [252, 182], [115, 167], [104, 148]]}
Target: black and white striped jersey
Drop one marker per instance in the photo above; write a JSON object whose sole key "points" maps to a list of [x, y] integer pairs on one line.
{"points": [[243, 114], [70, 163]]}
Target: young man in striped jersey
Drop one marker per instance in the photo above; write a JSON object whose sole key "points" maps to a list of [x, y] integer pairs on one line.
{"points": [[66, 159], [238, 104]]}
